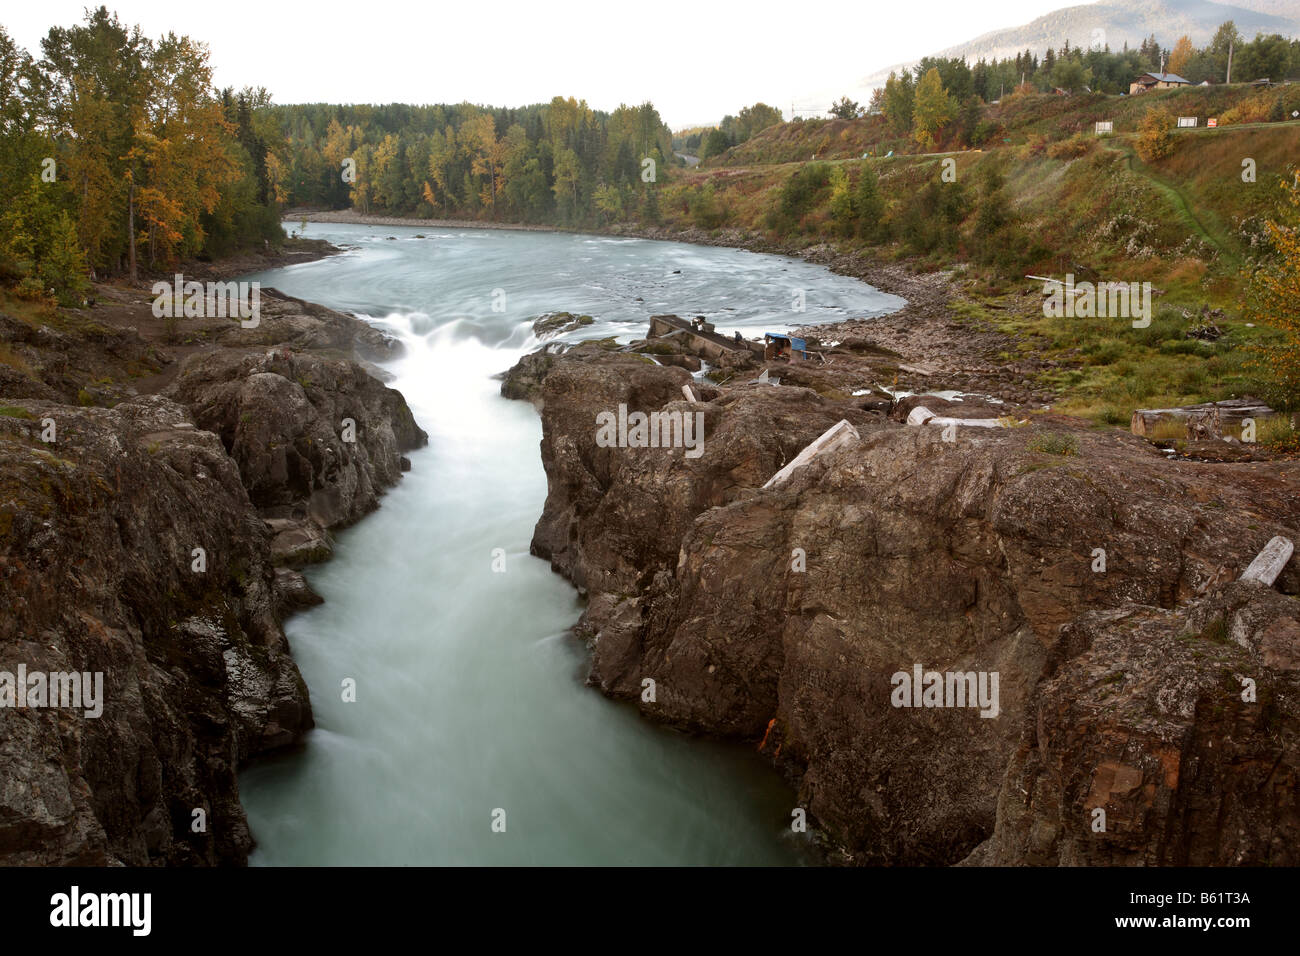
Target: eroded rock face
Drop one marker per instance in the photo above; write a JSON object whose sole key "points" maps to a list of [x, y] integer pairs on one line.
{"points": [[1168, 738], [61, 365], [287, 321], [99, 570], [615, 515], [98, 532], [783, 615], [317, 440]]}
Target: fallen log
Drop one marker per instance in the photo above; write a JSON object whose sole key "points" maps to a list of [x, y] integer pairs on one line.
{"points": [[1231, 412], [838, 435], [919, 368], [921, 415], [1268, 564]]}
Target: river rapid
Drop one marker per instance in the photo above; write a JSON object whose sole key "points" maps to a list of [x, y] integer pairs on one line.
{"points": [[472, 739]]}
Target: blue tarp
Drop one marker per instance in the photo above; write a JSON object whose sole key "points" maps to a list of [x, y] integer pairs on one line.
{"points": [[797, 344]]}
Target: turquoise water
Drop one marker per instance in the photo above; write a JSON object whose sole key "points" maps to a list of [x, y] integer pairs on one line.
{"points": [[472, 739]]}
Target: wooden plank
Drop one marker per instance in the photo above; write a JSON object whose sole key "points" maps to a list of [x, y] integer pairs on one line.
{"points": [[690, 395], [839, 435], [1268, 564]]}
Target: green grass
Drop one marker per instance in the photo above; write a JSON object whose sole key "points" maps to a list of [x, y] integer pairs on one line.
{"points": [[1055, 443], [1216, 630], [1202, 222], [1111, 369]]}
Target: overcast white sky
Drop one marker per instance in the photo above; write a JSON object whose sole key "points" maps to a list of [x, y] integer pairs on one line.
{"points": [[695, 61]]}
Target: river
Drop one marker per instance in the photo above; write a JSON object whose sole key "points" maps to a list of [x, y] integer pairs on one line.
{"points": [[472, 739]]}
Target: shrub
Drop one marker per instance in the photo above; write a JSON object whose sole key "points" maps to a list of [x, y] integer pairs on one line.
{"points": [[1055, 443], [869, 206], [39, 241], [1274, 299], [931, 218], [706, 211], [841, 204], [1279, 433], [1255, 109], [799, 195], [1071, 148], [1155, 135]]}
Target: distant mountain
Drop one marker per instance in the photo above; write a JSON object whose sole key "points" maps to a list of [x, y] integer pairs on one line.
{"points": [[1280, 8], [1129, 21]]}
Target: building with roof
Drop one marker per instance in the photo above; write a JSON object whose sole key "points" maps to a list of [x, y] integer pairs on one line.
{"points": [[1157, 81]]}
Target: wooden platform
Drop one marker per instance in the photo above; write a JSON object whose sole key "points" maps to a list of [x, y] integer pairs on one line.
{"points": [[709, 346]]}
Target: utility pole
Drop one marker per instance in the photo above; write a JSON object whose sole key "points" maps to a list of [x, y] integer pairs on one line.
{"points": [[1228, 79]]}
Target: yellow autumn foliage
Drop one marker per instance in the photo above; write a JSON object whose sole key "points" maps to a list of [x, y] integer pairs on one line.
{"points": [[1275, 299]]}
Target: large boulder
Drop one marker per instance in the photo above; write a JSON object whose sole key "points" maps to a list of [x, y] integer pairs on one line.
{"points": [[316, 439]]}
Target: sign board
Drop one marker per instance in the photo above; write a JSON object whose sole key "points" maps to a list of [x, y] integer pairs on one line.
{"points": [[1187, 122], [1105, 126], [1211, 122]]}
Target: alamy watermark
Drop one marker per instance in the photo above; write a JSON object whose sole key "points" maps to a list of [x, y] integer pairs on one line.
{"points": [[674, 429], [923, 688], [211, 300], [74, 909], [1114, 300], [72, 689]]}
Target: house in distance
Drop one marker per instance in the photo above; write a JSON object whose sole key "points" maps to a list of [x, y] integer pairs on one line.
{"points": [[1157, 81]]}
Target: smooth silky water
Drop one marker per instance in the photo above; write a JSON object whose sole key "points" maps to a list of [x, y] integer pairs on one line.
{"points": [[469, 690]]}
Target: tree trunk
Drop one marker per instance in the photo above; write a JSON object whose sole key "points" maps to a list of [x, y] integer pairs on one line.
{"points": [[130, 225]]}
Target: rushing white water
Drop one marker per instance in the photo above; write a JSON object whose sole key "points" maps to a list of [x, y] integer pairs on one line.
{"points": [[469, 693]]}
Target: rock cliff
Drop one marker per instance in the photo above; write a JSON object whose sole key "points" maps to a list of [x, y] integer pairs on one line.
{"points": [[783, 615], [139, 542]]}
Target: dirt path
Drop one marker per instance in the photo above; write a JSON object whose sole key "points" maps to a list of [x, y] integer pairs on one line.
{"points": [[1206, 226]]}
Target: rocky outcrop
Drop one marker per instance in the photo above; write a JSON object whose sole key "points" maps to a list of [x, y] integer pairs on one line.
{"points": [[784, 615], [128, 548], [558, 323], [317, 440], [75, 360], [594, 526], [140, 543], [1165, 737], [295, 323], [524, 381]]}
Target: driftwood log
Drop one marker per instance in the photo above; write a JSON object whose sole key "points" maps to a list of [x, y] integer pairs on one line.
{"points": [[839, 435], [1210, 419], [1270, 562], [920, 415]]}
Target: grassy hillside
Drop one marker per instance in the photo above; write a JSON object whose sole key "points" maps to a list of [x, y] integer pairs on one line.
{"points": [[1084, 198], [1187, 223], [1017, 120]]}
